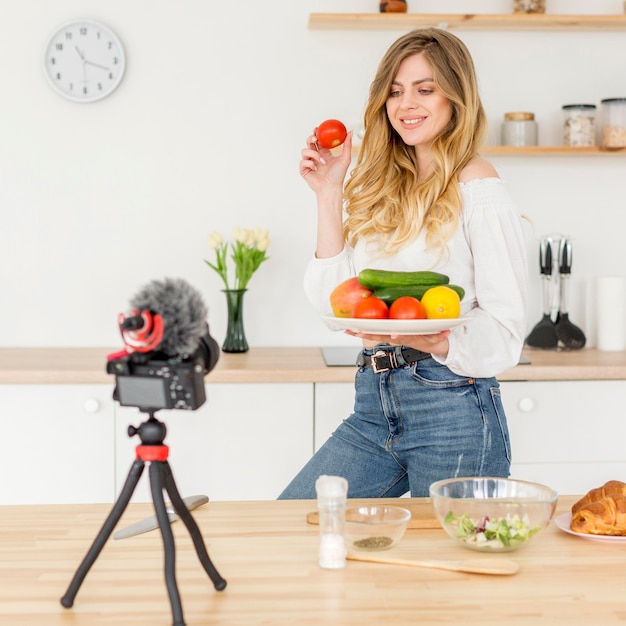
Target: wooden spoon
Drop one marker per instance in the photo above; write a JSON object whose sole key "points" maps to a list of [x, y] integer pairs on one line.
{"points": [[497, 566]]}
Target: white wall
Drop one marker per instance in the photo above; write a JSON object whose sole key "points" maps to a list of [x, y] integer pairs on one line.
{"points": [[205, 134]]}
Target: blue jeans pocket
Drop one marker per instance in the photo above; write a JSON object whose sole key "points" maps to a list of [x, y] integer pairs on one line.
{"points": [[465, 400], [496, 397]]}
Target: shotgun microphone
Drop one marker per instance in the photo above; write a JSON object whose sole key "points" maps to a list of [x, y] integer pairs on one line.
{"points": [[181, 309]]}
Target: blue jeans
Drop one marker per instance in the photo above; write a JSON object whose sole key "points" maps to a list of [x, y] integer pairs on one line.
{"points": [[412, 426]]}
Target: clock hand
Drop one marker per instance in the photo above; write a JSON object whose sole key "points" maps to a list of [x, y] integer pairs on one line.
{"points": [[82, 58], [96, 65]]}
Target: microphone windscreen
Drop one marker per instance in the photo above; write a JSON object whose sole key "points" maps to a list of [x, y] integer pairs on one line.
{"points": [[182, 309]]}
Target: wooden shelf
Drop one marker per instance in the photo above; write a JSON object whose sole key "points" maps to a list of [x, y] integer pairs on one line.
{"points": [[504, 21], [551, 151], [544, 151]]}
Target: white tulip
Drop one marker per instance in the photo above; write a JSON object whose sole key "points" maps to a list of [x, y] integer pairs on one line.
{"points": [[260, 233], [215, 240], [237, 234]]}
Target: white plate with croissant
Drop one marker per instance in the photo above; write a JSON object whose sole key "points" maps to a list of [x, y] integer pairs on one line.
{"points": [[600, 515], [564, 520]]}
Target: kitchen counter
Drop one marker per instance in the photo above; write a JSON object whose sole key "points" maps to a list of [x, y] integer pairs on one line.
{"points": [[292, 364], [268, 554]]}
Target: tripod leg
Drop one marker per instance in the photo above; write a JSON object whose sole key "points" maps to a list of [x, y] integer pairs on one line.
{"points": [[192, 527], [107, 528], [157, 486]]}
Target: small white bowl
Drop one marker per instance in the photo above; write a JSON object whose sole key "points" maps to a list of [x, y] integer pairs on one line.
{"points": [[374, 528], [492, 514]]}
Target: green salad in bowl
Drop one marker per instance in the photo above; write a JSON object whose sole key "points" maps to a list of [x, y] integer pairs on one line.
{"points": [[492, 514]]}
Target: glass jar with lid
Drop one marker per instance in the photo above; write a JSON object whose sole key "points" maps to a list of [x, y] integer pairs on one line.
{"points": [[579, 127], [614, 122], [519, 129], [529, 6]]}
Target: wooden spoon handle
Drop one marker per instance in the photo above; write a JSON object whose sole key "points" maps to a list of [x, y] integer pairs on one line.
{"points": [[497, 566]]}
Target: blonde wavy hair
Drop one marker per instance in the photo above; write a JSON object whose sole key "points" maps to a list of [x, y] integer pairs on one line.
{"points": [[385, 196]]}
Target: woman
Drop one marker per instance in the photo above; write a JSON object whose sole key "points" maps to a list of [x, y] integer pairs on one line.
{"points": [[420, 197]]}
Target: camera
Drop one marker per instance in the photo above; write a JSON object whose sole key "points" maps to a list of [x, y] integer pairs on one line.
{"points": [[155, 380]]}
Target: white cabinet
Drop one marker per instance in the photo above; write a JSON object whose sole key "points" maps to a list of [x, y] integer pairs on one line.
{"points": [[245, 443], [333, 403], [570, 435], [57, 444], [69, 443]]}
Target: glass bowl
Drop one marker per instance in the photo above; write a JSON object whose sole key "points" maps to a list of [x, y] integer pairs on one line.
{"points": [[492, 514], [375, 527]]}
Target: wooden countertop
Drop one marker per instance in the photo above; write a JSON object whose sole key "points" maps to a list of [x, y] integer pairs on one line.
{"points": [[297, 365], [268, 554]]}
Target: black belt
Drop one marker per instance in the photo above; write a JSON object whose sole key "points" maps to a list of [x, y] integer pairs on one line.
{"points": [[382, 360]]}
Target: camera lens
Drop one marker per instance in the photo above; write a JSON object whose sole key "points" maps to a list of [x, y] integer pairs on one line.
{"points": [[209, 351]]}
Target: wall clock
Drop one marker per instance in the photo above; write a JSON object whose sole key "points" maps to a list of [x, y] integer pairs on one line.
{"points": [[84, 61]]}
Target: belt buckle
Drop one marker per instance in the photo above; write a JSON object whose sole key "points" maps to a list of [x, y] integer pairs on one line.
{"points": [[393, 362]]}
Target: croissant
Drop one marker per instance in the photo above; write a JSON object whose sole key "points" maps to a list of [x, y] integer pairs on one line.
{"points": [[602, 511], [611, 488]]}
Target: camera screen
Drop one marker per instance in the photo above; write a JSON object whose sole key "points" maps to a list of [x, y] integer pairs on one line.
{"points": [[141, 392]]}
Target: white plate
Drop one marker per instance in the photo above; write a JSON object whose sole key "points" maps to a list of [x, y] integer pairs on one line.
{"points": [[563, 522], [395, 327]]}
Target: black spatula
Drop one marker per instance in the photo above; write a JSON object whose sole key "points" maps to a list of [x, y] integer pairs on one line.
{"points": [[543, 335], [569, 335]]}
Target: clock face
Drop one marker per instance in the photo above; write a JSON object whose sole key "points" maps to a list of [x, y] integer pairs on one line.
{"points": [[84, 61]]}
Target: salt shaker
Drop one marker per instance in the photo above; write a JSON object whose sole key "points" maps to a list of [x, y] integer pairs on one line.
{"points": [[332, 492]]}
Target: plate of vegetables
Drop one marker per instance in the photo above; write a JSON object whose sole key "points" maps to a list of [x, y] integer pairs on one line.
{"points": [[392, 327], [393, 302]]}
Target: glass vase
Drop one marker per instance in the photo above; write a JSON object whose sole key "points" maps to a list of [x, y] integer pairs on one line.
{"points": [[235, 334]]}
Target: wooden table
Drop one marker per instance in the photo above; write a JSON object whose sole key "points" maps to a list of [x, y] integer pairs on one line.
{"points": [[268, 554]]}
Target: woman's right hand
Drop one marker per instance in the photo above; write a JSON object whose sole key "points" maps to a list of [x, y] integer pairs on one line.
{"points": [[320, 168]]}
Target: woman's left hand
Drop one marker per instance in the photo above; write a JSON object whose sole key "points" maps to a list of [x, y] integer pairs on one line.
{"points": [[436, 344]]}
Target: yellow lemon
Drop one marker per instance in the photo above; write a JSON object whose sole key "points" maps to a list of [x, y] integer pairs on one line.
{"points": [[441, 302]]}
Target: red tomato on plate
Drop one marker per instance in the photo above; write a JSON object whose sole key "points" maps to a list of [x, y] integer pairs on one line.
{"points": [[371, 308], [407, 308], [330, 134]]}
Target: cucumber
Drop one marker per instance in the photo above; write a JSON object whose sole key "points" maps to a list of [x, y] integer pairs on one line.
{"points": [[391, 294], [376, 279]]}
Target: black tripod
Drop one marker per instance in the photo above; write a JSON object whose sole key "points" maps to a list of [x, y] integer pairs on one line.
{"points": [[152, 433]]}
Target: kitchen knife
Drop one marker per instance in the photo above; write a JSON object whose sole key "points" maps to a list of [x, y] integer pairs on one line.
{"points": [[150, 523]]}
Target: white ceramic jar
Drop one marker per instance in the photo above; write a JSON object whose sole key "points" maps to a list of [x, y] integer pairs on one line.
{"points": [[519, 129]]}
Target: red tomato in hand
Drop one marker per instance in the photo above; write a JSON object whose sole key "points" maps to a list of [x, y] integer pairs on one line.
{"points": [[330, 134], [407, 308], [371, 308]]}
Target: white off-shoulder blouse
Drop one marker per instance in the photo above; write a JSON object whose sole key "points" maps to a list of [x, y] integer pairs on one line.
{"points": [[487, 257]]}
